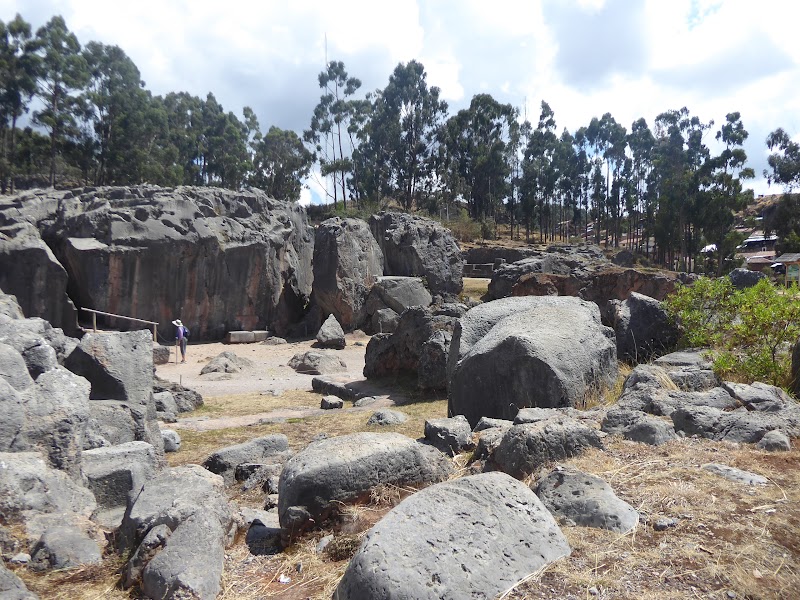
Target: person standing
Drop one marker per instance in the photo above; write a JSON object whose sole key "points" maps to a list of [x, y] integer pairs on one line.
{"points": [[181, 337]]}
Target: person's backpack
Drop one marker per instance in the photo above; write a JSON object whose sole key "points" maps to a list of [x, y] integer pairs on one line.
{"points": [[186, 332]]}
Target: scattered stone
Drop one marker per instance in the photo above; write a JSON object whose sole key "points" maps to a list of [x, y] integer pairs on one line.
{"points": [[534, 415], [451, 436], [331, 334], [367, 401], [506, 520], [11, 586], [274, 341], [638, 426], [664, 523], [587, 500], [323, 543], [642, 327], [172, 440], [488, 423], [488, 441], [161, 354], [432, 370], [685, 358], [272, 449], [227, 362], [318, 479], [745, 427], [331, 387], [387, 417], [527, 447], [759, 396], [774, 441], [736, 475], [331, 402], [317, 363], [64, 548], [745, 278], [186, 399]]}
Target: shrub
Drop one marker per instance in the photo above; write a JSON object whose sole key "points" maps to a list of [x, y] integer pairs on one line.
{"points": [[750, 331]]}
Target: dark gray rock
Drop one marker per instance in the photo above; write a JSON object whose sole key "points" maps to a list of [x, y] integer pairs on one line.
{"points": [[760, 397], [12, 587], [331, 334], [739, 426], [387, 417], [227, 362], [28, 485], [586, 500], [29, 341], [331, 387], [64, 548], [347, 261], [13, 369], [112, 422], [524, 352], [735, 475], [186, 399], [316, 362], [190, 563], [331, 402], [774, 441], [488, 423], [528, 447], [30, 271], [694, 380], [488, 440], [642, 327], [662, 402], [318, 479], [415, 246], [452, 436], [9, 307], [432, 370], [508, 535], [171, 498], [161, 354], [155, 539], [745, 278], [274, 341], [685, 358], [534, 415], [272, 449], [384, 320], [172, 440], [638, 426], [165, 402], [112, 473], [397, 294]]}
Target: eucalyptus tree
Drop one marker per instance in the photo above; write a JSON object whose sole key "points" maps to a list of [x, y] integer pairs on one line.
{"points": [[19, 65], [62, 77], [280, 164], [784, 169], [477, 151], [330, 123], [641, 142], [539, 170]]}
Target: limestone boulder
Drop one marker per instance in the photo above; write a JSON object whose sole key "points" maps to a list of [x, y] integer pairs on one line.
{"points": [[347, 261], [317, 480], [414, 246], [508, 535], [523, 352]]}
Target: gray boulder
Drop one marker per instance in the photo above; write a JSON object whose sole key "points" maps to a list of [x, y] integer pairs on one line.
{"points": [[384, 320], [452, 436], [227, 362], [415, 246], [774, 441], [739, 426], [331, 334], [112, 422], [760, 397], [331, 403], [13, 369], [112, 473], [29, 341], [332, 471], [186, 399], [394, 294], [64, 548], [745, 278], [488, 440], [684, 358], [29, 486], [586, 500], [12, 587], [165, 403], [532, 351], [387, 417], [191, 561], [272, 449], [170, 499], [528, 447], [638, 426], [489, 423], [735, 475], [9, 307], [664, 402], [162, 354], [314, 362], [642, 327], [347, 260], [172, 440], [432, 369], [508, 535]]}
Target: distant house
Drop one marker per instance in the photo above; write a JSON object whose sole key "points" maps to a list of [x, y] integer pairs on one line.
{"points": [[792, 263]]}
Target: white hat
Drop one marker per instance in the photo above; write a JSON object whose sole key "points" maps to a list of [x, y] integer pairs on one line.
{"points": [[177, 323]]}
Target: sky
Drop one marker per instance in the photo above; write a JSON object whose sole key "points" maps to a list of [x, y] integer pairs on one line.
{"points": [[632, 58]]}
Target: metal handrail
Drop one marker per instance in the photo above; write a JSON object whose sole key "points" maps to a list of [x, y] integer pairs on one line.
{"points": [[100, 312]]}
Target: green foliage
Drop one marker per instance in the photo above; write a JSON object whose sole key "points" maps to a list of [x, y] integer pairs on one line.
{"points": [[750, 331], [464, 228]]}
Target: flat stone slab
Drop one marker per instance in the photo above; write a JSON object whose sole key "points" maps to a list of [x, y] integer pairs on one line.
{"points": [[734, 474], [240, 337]]}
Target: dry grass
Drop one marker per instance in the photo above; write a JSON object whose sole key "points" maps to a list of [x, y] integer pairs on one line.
{"points": [[475, 287], [87, 582], [237, 405]]}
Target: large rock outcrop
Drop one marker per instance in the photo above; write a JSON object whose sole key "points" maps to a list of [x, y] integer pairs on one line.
{"points": [[221, 260], [347, 261], [523, 352], [415, 246]]}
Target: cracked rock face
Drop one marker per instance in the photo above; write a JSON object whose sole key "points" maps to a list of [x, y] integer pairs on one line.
{"points": [[218, 259]]}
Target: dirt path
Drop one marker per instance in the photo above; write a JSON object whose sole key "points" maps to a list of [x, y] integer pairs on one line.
{"points": [[270, 376]]}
